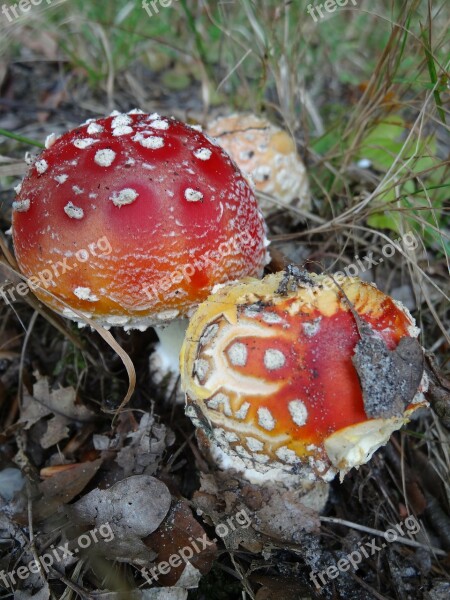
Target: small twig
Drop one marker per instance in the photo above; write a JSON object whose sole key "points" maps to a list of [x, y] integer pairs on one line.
{"points": [[363, 327], [402, 540], [70, 584], [31, 530], [23, 352], [367, 587]]}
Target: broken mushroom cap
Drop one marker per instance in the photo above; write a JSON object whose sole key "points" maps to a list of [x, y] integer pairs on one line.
{"points": [[269, 377], [267, 154], [132, 219]]}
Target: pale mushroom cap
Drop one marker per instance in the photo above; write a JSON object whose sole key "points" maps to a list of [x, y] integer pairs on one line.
{"points": [[267, 154], [270, 379]]}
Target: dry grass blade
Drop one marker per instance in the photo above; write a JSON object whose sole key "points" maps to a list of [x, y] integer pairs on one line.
{"points": [[128, 363]]}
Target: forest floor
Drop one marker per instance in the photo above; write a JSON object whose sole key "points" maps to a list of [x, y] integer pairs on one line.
{"points": [[364, 92]]}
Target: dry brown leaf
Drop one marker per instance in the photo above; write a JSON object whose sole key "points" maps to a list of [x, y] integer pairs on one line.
{"points": [[179, 530], [32, 411], [133, 507], [57, 430], [59, 490], [277, 515], [416, 499], [47, 472], [146, 445], [285, 518], [389, 378], [60, 402], [439, 390], [64, 486]]}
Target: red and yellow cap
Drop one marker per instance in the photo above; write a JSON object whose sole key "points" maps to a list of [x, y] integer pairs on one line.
{"points": [[270, 377]]}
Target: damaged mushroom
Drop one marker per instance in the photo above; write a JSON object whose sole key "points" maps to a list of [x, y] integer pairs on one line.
{"points": [[268, 155], [131, 220], [275, 375]]}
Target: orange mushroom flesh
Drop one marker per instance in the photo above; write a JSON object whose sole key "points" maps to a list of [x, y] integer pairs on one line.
{"points": [[270, 378]]}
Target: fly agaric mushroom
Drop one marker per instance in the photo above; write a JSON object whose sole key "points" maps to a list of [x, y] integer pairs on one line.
{"points": [[174, 214], [271, 376], [267, 154]]}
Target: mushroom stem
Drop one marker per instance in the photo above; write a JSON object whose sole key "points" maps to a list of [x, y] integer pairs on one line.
{"points": [[312, 494], [171, 338]]}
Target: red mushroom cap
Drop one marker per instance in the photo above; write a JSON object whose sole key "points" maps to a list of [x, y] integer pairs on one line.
{"points": [[269, 377], [147, 214]]}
